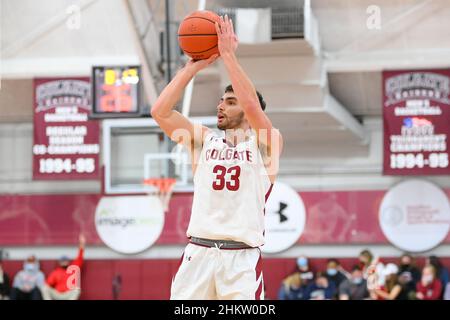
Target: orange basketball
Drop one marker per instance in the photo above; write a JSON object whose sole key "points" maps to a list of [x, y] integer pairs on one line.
{"points": [[197, 34]]}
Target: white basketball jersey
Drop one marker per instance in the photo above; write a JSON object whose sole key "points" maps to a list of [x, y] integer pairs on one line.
{"points": [[231, 187]]}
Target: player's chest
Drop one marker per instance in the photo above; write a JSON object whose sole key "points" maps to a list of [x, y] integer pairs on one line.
{"points": [[220, 152]]}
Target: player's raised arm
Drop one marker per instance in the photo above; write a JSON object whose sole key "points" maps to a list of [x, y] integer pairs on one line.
{"points": [[245, 90], [173, 123]]}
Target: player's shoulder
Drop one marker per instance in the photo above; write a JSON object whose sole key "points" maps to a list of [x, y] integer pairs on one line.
{"points": [[211, 136]]}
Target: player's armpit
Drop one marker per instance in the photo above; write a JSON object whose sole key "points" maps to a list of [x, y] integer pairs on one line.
{"points": [[270, 142], [180, 129], [270, 152]]}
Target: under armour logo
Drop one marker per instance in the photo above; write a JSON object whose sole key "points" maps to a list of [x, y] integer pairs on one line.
{"points": [[188, 258], [283, 218]]}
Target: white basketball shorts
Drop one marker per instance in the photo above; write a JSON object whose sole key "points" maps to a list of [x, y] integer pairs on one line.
{"points": [[218, 274]]}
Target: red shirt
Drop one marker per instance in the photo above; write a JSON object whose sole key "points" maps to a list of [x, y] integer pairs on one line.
{"points": [[431, 291], [58, 277]]}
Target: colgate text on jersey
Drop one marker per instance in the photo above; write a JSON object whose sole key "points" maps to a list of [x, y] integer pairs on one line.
{"points": [[229, 154]]}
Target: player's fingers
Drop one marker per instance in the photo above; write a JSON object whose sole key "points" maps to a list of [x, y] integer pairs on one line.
{"points": [[218, 31], [213, 58], [224, 24], [231, 26]]}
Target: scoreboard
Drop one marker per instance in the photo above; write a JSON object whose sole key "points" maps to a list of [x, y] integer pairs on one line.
{"points": [[116, 91]]}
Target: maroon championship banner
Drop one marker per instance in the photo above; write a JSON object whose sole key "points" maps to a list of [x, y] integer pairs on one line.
{"points": [[416, 114], [66, 144]]}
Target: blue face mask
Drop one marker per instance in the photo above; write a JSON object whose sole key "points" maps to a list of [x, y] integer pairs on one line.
{"points": [[29, 266], [357, 280], [331, 272], [302, 262]]}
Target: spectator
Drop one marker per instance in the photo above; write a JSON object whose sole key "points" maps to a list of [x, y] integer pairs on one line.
{"points": [[391, 289], [335, 272], [447, 292], [441, 271], [372, 269], [292, 288], [5, 284], [306, 273], [59, 285], [321, 288], [28, 283], [429, 287], [408, 286], [365, 259], [354, 288], [407, 265]]}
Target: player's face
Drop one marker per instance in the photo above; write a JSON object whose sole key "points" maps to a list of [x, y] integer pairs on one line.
{"points": [[229, 113]]}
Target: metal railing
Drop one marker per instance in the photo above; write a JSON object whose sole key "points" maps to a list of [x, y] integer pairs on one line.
{"points": [[286, 22]]}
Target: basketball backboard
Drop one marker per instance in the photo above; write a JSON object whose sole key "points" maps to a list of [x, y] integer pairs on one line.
{"points": [[137, 149]]}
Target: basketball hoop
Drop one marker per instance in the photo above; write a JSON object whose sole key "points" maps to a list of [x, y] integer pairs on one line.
{"points": [[164, 188]]}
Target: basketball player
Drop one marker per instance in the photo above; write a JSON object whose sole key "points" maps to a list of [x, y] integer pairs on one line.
{"points": [[233, 176]]}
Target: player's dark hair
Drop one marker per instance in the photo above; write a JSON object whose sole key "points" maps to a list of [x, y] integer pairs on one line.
{"points": [[262, 103]]}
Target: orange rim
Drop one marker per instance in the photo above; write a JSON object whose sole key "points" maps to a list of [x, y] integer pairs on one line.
{"points": [[163, 184]]}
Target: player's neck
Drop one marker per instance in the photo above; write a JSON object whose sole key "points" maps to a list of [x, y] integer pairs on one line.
{"points": [[237, 135]]}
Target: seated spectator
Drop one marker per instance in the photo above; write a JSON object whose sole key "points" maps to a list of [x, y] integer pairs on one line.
{"points": [[5, 284], [335, 272], [58, 286], [408, 286], [321, 288], [407, 265], [292, 288], [441, 271], [429, 287], [391, 289], [28, 283], [306, 273], [354, 288]]}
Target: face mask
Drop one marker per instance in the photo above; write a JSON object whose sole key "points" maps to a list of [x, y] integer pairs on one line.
{"points": [[302, 262], [405, 264], [357, 280], [427, 279], [29, 266], [331, 272]]}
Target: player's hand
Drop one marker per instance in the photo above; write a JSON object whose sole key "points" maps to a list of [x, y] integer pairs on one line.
{"points": [[197, 65], [227, 39]]}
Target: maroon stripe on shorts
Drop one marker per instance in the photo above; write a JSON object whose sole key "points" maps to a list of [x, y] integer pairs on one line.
{"points": [[268, 192], [258, 270]]}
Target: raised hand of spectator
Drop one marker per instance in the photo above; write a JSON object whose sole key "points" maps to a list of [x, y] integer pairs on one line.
{"points": [[81, 241]]}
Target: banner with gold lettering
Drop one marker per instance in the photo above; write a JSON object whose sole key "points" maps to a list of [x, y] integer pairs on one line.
{"points": [[416, 120]]}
